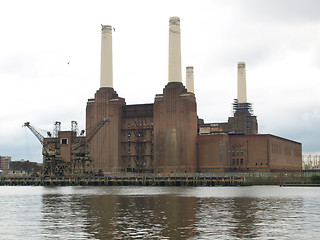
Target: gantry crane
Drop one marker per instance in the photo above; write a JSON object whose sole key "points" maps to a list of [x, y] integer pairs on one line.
{"points": [[81, 162], [53, 164]]}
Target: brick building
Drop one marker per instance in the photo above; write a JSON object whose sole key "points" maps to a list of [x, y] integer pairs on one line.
{"points": [[167, 135], [258, 152]]}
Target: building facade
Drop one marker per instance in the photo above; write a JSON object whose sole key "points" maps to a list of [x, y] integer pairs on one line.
{"points": [[258, 152], [167, 136], [5, 162]]}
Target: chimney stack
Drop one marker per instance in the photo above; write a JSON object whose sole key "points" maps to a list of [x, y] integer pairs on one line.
{"points": [[174, 50], [106, 73], [190, 79], [242, 87]]}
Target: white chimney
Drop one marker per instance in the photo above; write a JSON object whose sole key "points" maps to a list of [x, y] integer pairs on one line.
{"points": [[190, 79], [242, 87], [106, 74], [174, 50]]}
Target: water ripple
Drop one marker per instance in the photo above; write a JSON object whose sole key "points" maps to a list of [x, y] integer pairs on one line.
{"points": [[262, 212]]}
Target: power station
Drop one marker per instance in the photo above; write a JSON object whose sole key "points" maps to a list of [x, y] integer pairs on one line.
{"points": [[166, 136]]}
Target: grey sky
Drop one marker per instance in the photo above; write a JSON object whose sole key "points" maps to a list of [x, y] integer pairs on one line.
{"points": [[278, 40]]}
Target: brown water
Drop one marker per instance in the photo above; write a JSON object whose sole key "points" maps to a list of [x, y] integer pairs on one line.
{"points": [[258, 212]]}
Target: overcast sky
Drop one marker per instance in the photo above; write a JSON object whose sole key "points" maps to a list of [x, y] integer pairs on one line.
{"points": [[278, 40]]}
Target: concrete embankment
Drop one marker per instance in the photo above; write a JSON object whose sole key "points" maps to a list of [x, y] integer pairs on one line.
{"points": [[294, 178], [125, 181]]}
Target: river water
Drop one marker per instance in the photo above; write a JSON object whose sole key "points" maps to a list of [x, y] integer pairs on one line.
{"points": [[256, 212]]}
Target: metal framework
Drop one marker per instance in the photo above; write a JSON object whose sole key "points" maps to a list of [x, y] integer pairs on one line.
{"points": [[81, 162], [34, 131], [57, 129], [247, 109], [52, 164], [140, 147], [242, 106], [74, 127]]}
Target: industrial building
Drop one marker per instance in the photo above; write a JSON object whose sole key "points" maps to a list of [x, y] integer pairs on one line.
{"points": [[167, 136]]}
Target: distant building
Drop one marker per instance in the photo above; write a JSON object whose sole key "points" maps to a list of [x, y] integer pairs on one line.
{"points": [[310, 161], [25, 167], [5, 162]]}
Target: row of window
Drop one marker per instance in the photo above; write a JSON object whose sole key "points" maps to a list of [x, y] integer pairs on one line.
{"points": [[237, 154], [138, 125], [237, 160], [138, 134]]}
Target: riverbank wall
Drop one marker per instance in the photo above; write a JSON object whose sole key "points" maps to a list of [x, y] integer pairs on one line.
{"points": [[171, 179]]}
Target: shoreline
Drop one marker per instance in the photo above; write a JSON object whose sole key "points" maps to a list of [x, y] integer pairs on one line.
{"points": [[288, 179]]}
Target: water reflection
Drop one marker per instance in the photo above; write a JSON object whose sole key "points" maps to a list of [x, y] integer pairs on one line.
{"points": [[159, 213], [244, 215], [155, 217], [64, 217], [249, 218]]}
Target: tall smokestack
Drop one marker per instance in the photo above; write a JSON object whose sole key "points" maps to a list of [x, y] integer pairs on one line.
{"points": [[174, 50], [106, 73], [242, 87], [190, 79]]}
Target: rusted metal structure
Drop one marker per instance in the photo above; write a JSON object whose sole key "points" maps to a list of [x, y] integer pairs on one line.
{"points": [[67, 153], [82, 164], [53, 163]]}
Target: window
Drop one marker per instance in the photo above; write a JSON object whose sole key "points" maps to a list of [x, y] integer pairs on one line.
{"points": [[139, 134], [64, 140], [241, 161]]}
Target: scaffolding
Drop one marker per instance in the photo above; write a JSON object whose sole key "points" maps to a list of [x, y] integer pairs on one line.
{"points": [[247, 110], [57, 129], [242, 107]]}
